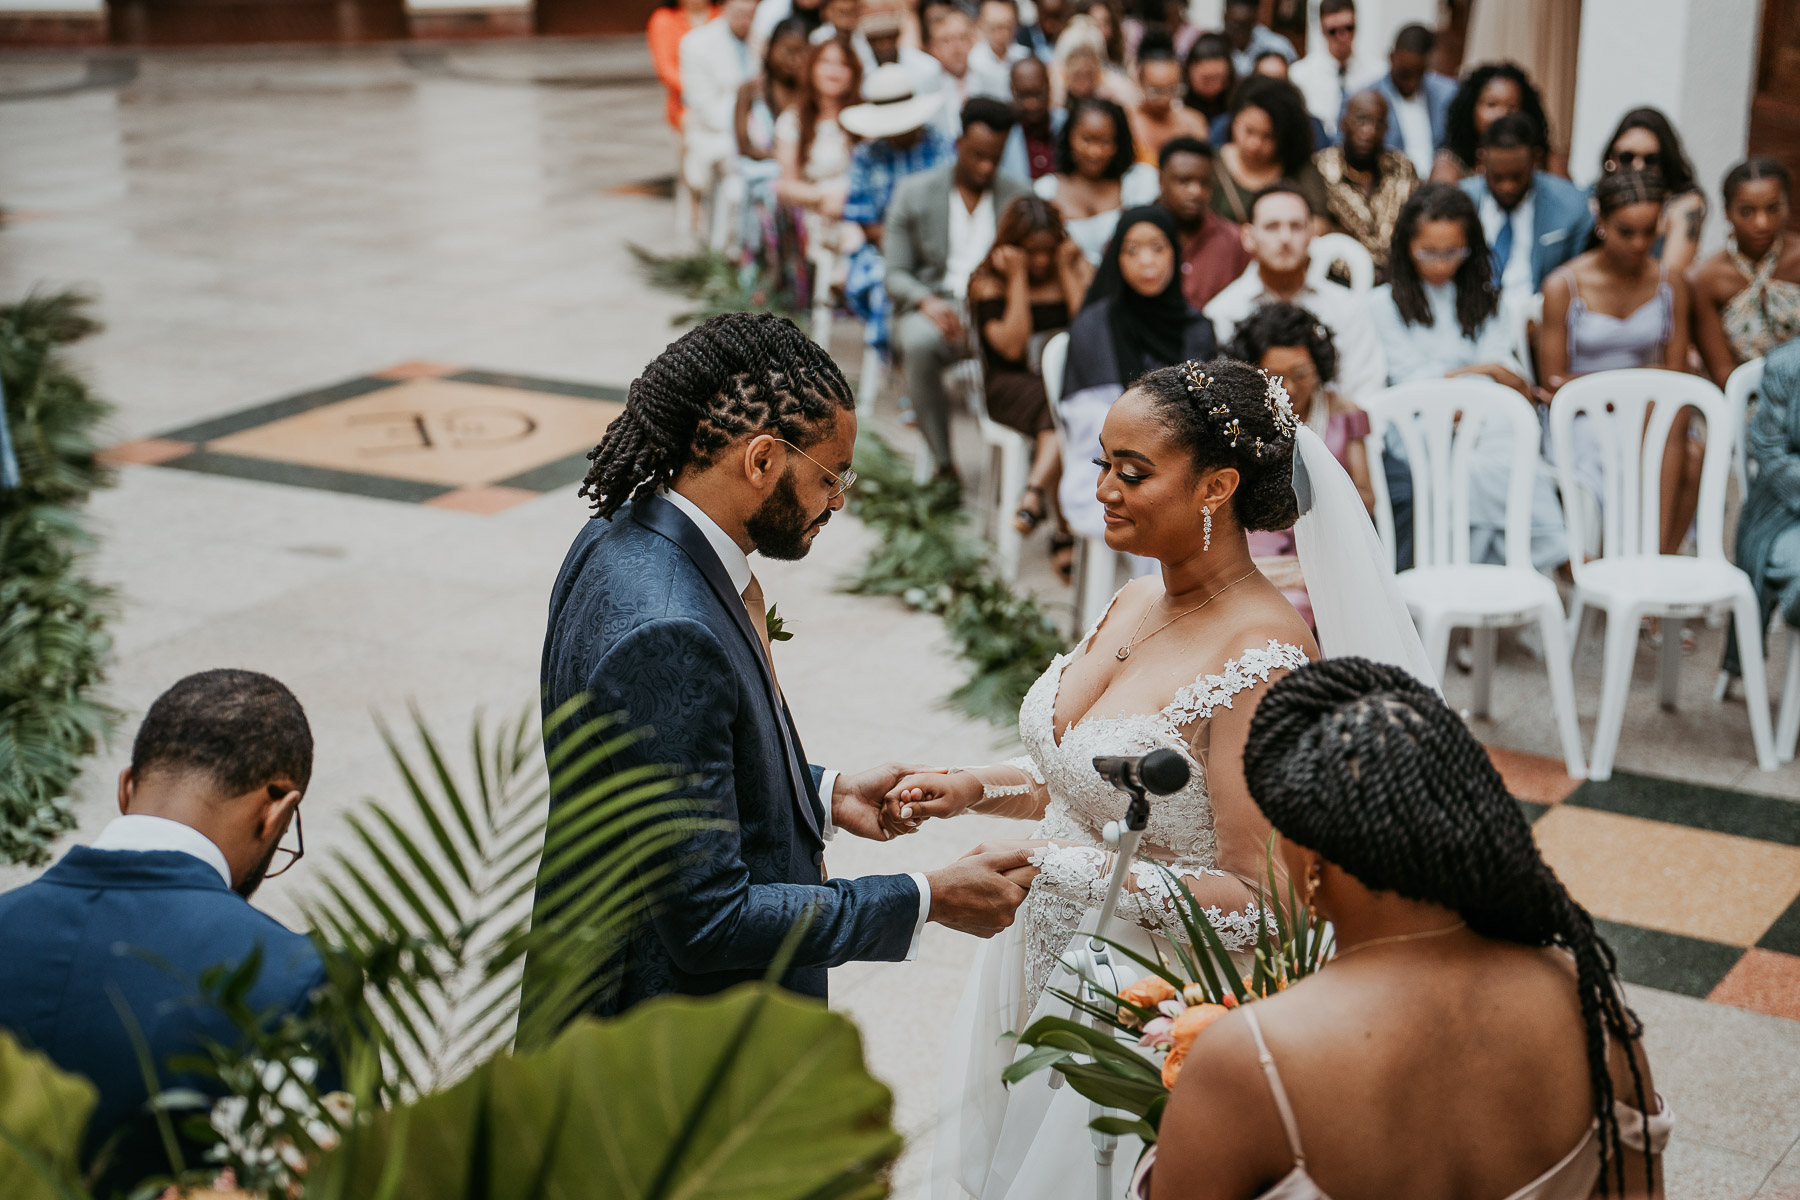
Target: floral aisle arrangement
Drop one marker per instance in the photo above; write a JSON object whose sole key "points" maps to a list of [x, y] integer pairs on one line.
{"points": [[1129, 1052]]}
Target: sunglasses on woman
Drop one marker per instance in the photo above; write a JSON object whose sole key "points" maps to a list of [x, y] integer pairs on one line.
{"points": [[1627, 160]]}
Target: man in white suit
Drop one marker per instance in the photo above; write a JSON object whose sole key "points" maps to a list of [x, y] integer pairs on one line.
{"points": [[715, 62], [1329, 75]]}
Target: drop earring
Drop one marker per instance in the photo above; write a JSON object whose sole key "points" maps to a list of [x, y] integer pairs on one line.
{"points": [[1312, 885], [1205, 529]]}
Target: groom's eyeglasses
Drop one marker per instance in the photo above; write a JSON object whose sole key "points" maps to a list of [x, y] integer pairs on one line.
{"points": [[839, 483]]}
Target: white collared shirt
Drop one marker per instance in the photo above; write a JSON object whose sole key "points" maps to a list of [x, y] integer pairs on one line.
{"points": [[1362, 364], [135, 831], [737, 568], [971, 237], [1515, 278], [1327, 83], [1414, 119]]}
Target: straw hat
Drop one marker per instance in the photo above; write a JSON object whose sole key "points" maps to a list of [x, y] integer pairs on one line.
{"points": [[889, 106]]}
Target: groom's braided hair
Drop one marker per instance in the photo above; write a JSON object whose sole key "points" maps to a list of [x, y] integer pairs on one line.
{"points": [[1363, 764], [735, 374]]}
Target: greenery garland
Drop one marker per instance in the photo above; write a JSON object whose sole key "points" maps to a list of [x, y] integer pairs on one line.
{"points": [[928, 559], [53, 640]]}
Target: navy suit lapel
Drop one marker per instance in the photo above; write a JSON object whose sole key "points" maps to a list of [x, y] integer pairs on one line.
{"points": [[658, 515]]}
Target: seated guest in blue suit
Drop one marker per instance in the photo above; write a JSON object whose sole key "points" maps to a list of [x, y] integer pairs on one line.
{"points": [[736, 438], [1534, 221], [130, 923], [1418, 98]]}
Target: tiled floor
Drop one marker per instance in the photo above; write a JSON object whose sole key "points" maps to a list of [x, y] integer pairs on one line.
{"points": [[259, 225]]}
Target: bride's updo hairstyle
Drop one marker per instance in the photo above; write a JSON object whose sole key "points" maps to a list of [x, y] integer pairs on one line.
{"points": [[1367, 767], [1229, 414]]}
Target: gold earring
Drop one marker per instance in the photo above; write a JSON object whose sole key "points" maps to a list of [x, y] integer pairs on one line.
{"points": [[1312, 884]]}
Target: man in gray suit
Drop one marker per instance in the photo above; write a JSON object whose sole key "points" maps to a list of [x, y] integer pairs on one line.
{"points": [[939, 227]]}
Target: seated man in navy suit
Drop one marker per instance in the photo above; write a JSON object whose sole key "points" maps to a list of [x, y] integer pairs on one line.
{"points": [[106, 947], [1534, 221]]}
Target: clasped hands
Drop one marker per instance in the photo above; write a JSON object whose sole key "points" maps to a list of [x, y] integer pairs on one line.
{"points": [[978, 893]]}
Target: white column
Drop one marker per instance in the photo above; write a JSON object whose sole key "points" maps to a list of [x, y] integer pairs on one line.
{"points": [[1693, 59]]}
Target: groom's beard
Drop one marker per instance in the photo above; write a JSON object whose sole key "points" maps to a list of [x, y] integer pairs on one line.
{"points": [[780, 524], [254, 879]]}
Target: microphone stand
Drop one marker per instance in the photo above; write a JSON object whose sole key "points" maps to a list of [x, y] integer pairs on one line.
{"points": [[1088, 957]]}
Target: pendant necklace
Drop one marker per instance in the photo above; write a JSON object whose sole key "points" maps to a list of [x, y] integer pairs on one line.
{"points": [[1402, 937], [1124, 652]]}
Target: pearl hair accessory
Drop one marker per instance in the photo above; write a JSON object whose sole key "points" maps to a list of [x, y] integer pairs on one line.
{"points": [[1232, 429]]}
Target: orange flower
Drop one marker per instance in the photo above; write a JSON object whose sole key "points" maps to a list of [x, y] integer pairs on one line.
{"points": [[1148, 992], [1187, 1027]]}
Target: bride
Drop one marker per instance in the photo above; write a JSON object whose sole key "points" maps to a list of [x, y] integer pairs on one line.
{"points": [[1192, 457]]}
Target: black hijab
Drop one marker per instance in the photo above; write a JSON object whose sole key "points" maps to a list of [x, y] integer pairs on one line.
{"points": [[1147, 331]]}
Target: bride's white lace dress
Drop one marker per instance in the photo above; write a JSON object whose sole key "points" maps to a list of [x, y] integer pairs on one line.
{"points": [[1032, 1140]]}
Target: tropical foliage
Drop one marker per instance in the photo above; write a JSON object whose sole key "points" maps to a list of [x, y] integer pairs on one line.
{"points": [[53, 640], [927, 558], [719, 285], [1112, 1056]]}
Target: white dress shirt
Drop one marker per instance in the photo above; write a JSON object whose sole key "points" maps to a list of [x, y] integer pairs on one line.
{"points": [[1362, 366], [737, 568], [1327, 83], [1515, 277], [991, 75], [1414, 117], [971, 237], [138, 832]]}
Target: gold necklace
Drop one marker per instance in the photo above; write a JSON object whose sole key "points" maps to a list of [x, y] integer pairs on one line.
{"points": [[1124, 652], [1403, 937]]}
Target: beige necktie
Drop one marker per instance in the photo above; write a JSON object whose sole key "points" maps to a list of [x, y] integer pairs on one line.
{"points": [[759, 621]]}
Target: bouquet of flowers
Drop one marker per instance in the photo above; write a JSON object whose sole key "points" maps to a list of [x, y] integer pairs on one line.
{"points": [[1129, 1052]]}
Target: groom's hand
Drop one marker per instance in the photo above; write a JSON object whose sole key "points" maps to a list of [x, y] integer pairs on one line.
{"points": [[856, 800], [974, 894]]}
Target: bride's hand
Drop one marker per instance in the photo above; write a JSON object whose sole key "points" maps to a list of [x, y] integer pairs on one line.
{"points": [[1019, 875], [928, 794]]}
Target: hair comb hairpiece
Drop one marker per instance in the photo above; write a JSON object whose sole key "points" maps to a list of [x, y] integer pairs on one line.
{"points": [[1197, 380], [1279, 406]]}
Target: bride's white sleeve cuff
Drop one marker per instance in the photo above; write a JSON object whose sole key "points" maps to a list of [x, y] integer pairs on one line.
{"points": [[912, 951]]}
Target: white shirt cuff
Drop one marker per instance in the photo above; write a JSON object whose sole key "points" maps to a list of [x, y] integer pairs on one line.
{"points": [[912, 951], [827, 785]]}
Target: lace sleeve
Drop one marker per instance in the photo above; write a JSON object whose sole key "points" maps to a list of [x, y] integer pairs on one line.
{"points": [[1080, 874], [1014, 788], [1199, 698]]}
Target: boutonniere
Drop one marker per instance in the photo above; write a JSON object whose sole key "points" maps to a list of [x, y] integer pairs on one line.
{"points": [[776, 626]]}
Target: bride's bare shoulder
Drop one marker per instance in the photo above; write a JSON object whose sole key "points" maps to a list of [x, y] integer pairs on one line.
{"points": [[1255, 626]]}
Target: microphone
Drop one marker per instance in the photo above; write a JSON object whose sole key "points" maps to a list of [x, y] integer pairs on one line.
{"points": [[1159, 772]]}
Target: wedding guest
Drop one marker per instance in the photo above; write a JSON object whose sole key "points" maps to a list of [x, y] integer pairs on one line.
{"points": [[810, 145], [1133, 321], [1645, 141], [883, 31], [1439, 316], [672, 21], [939, 226], [1534, 221], [1249, 37], [1031, 146], [1170, 16], [1212, 250], [1040, 35], [102, 957], [770, 13], [1768, 526], [1616, 306], [1747, 296], [1271, 141], [1271, 64], [1208, 77], [1418, 97], [899, 139], [1491, 91], [1028, 286], [995, 51], [1083, 68], [763, 99], [1289, 342], [1109, 20], [1451, 934], [1278, 236], [1366, 182], [841, 19], [950, 38], [1097, 175], [1331, 74], [1160, 115], [715, 61]]}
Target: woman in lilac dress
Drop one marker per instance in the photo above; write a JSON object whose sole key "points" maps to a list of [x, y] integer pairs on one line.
{"points": [[1287, 341]]}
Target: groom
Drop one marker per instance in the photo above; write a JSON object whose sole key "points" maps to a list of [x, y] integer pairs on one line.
{"points": [[736, 438]]}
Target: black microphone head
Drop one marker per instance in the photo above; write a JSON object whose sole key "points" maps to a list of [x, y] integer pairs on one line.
{"points": [[1163, 772]]}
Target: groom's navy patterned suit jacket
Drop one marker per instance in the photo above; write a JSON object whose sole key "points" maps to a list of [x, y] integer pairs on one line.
{"points": [[644, 619]]}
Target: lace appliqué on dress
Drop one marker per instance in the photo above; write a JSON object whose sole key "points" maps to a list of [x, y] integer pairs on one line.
{"points": [[1198, 699], [996, 791], [1081, 874]]}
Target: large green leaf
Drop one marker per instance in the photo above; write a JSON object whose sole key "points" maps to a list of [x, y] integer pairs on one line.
{"points": [[753, 1094], [43, 1112]]}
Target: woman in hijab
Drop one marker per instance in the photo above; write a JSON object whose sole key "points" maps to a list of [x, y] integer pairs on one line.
{"points": [[1133, 321]]}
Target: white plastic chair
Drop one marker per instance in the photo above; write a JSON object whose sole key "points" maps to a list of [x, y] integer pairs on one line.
{"points": [[1741, 387], [1631, 579], [1096, 563], [1444, 590], [1523, 314], [1328, 248], [1011, 451]]}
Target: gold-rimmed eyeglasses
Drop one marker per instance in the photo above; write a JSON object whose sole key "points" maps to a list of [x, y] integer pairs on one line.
{"points": [[839, 483], [284, 857]]}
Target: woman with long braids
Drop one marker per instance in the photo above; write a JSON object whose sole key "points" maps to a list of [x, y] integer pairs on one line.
{"points": [[1472, 1011]]}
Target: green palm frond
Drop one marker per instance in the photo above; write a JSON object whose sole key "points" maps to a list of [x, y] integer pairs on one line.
{"points": [[429, 917]]}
